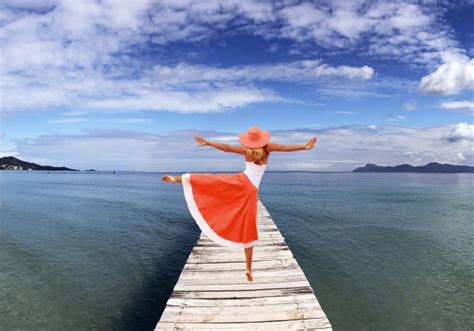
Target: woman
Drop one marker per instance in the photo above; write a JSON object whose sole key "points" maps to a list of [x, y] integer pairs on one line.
{"points": [[224, 206]]}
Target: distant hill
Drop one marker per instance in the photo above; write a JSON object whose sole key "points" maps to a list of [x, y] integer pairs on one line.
{"points": [[433, 167], [12, 163]]}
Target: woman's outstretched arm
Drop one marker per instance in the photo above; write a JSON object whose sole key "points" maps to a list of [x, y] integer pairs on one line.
{"points": [[292, 148], [220, 146]]}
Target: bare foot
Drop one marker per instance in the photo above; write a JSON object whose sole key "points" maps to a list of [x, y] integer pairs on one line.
{"points": [[249, 276], [169, 179]]}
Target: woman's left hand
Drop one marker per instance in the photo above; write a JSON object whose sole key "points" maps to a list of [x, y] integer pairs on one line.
{"points": [[310, 143], [201, 141]]}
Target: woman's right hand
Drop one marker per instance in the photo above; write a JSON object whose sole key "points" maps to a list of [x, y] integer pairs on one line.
{"points": [[310, 143], [201, 141]]}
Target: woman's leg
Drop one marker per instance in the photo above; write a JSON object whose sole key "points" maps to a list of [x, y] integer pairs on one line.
{"points": [[248, 263], [171, 179]]}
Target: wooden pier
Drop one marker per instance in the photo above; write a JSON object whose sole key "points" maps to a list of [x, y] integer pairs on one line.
{"points": [[212, 291]]}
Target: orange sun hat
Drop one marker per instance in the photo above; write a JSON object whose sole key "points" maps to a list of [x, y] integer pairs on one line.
{"points": [[254, 137]]}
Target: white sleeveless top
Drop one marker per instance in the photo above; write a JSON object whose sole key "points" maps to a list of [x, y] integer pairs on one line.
{"points": [[254, 172]]}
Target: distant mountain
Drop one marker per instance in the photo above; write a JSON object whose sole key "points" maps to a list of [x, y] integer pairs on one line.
{"points": [[12, 163], [433, 167]]}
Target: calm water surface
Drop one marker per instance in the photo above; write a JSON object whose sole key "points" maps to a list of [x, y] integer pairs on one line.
{"points": [[103, 251]]}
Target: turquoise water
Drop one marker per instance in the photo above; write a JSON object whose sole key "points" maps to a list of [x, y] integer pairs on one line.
{"points": [[103, 251]]}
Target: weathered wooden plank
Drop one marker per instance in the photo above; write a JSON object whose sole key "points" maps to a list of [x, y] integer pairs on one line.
{"points": [[212, 291], [248, 310], [239, 280], [306, 324], [277, 263], [238, 287], [200, 254], [235, 276], [264, 301], [256, 250], [228, 315], [197, 257], [259, 247], [241, 294]]}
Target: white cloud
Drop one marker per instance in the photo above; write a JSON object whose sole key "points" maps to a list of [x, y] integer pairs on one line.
{"points": [[47, 45], [68, 120], [201, 101], [394, 118], [450, 78], [409, 32], [460, 132], [49, 55], [338, 148], [341, 112], [329, 24], [377, 87], [96, 92], [131, 120], [128, 120], [465, 104], [409, 106], [293, 71]]}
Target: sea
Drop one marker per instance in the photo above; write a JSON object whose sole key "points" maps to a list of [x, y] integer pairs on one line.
{"points": [[103, 251]]}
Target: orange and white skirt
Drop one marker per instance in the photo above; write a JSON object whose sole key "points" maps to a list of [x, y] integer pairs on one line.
{"points": [[224, 207]]}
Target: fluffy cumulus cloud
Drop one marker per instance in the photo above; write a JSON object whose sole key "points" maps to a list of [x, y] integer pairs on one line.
{"points": [[338, 148], [406, 31], [460, 132], [84, 54], [450, 78]]}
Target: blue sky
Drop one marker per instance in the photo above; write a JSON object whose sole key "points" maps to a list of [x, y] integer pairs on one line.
{"points": [[126, 85]]}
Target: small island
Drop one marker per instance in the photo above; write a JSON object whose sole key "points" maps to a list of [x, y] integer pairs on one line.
{"points": [[12, 163], [432, 167]]}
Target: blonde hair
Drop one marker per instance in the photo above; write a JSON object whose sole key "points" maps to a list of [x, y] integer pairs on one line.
{"points": [[258, 154]]}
